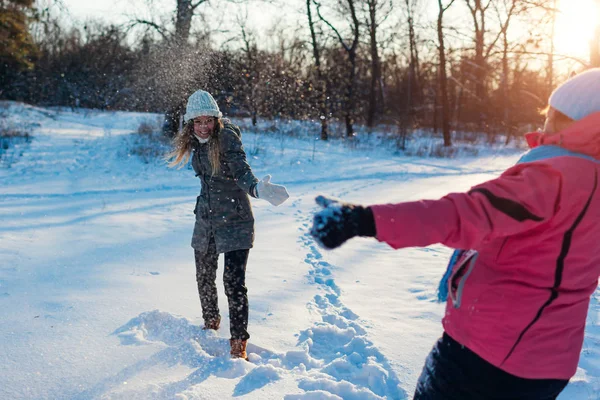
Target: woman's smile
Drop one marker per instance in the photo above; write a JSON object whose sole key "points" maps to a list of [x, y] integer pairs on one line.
{"points": [[203, 126]]}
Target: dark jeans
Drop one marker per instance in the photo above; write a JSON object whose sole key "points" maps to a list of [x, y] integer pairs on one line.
{"points": [[234, 279], [453, 372]]}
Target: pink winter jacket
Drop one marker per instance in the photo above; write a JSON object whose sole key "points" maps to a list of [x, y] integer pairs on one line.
{"points": [[520, 302]]}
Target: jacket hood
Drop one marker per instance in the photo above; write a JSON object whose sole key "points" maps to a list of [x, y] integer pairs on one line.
{"points": [[581, 137]]}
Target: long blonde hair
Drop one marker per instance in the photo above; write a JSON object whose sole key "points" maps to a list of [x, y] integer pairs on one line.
{"points": [[183, 145]]}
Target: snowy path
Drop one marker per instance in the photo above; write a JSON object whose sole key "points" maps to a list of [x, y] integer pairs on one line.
{"points": [[97, 286], [333, 359]]}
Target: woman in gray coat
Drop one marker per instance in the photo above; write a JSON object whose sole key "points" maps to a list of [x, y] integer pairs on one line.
{"points": [[224, 220]]}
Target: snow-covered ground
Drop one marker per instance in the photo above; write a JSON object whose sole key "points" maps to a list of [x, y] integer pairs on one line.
{"points": [[98, 297]]}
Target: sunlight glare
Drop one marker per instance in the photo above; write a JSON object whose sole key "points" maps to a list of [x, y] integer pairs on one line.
{"points": [[575, 26]]}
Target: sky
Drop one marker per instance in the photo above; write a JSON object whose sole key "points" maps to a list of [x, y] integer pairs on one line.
{"points": [[574, 28], [261, 16]]}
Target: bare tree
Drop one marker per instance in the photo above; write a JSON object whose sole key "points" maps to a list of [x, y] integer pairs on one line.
{"points": [[595, 43], [505, 12], [550, 71], [378, 11], [321, 84], [183, 18], [478, 10], [250, 50], [443, 78], [351, 52], [414, 90], [175, 48], [184, 13]]}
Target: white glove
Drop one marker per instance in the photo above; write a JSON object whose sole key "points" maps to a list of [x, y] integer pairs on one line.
{"points": [[274, 194]]}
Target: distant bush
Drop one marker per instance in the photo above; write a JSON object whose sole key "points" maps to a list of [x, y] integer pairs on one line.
{"points": [[10, 129], [9, 137], [150, 147], [149, 126], [11, 140], [11, 132]]}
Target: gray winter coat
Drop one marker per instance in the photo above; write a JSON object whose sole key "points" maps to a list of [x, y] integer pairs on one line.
{"points": [[223, 208]]}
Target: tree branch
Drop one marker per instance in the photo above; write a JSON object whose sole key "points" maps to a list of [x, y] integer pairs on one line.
{"points": [[448, 6], [356, 24], [331, 26], [444, 9], [545, 53], [194, 6], [503, 27], [151, 24]]}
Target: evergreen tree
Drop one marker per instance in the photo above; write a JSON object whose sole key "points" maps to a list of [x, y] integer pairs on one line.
{"points": [[16, 46]]}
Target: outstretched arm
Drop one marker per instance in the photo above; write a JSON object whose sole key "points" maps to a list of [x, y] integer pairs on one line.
{"points": [[521, 199], [235, 157]]}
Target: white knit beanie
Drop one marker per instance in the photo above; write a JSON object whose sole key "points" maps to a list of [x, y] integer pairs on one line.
{"points": [[579, 96], [201, 104]]}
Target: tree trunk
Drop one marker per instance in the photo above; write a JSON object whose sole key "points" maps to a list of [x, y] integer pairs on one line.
{"points": [[443, 77], [595, 43], [252, 80], [505, 94], [480, 63], [349, 101], [415, 96], [375, 64], [350, 95], [183, 20], [550, 72], [477, 11], [436, 106], [321, 84], [352, 81]]}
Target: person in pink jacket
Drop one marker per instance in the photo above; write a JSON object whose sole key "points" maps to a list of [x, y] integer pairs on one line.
{"points": [[518, 289]]}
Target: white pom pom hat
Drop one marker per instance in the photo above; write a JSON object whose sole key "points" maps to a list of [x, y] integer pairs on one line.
{"points": [[579, 96], [201, 104]]}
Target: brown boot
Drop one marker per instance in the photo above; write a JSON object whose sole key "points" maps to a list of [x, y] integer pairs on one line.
{"points": [[238, 348], [212, 324]]}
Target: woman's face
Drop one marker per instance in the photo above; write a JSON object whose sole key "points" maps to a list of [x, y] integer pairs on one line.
{"points": [[549, 125], [204, 126], [556, 122]]}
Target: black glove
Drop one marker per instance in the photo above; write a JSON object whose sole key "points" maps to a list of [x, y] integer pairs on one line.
{"points": [[338, 222]]}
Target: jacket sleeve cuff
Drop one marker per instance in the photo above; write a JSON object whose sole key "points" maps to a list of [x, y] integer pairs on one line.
{"points": [[419, 223], [366, 222], [253, 190]]}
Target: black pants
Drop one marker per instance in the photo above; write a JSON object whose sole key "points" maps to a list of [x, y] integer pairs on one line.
{"points": [[234, 279], [453, 372]]}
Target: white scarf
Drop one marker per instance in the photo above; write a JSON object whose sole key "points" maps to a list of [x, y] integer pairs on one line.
{"points": [[202, 140]]}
